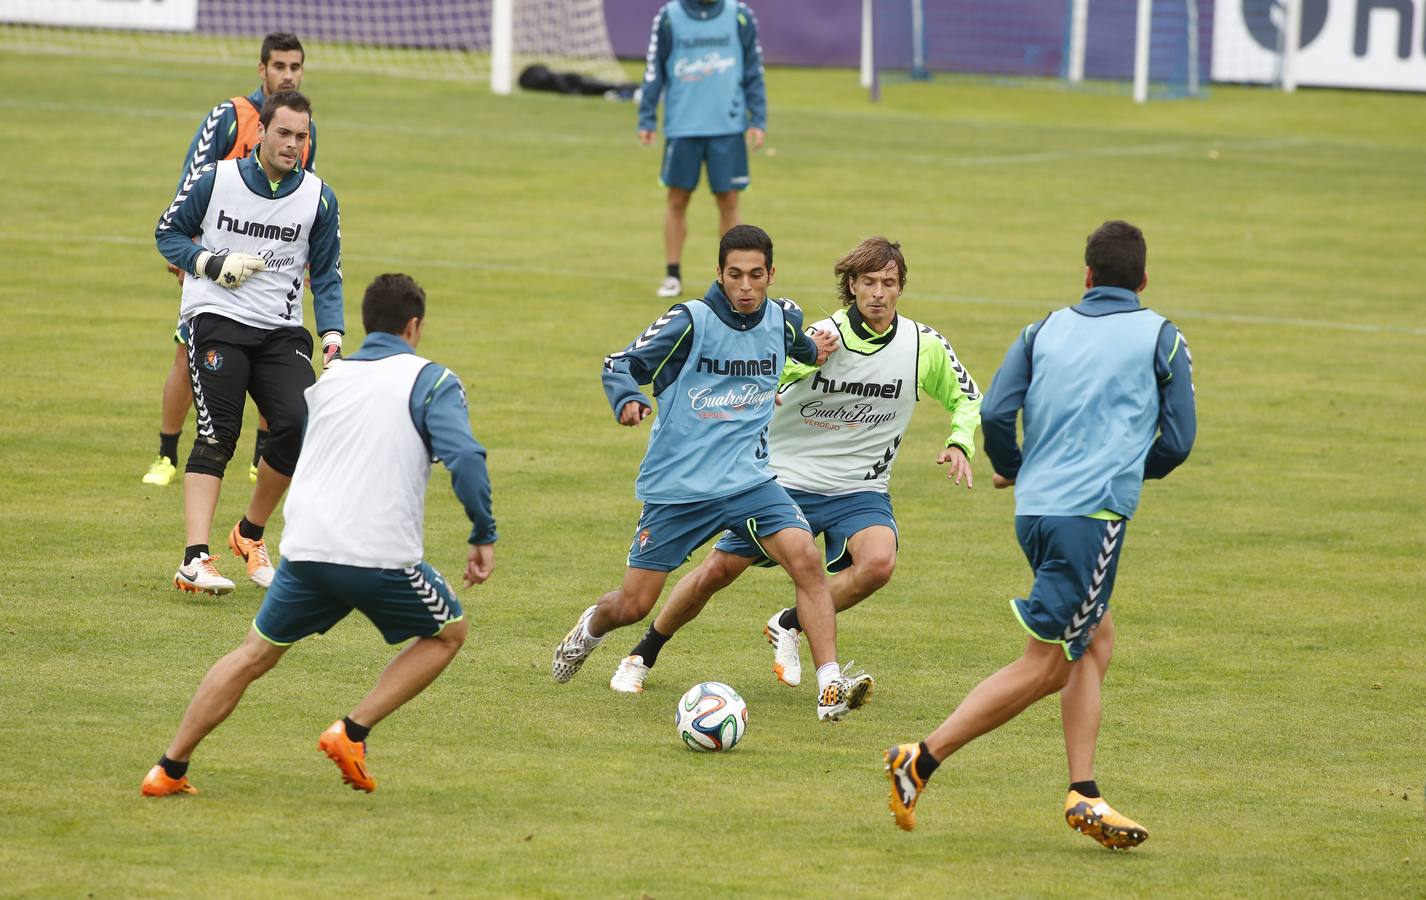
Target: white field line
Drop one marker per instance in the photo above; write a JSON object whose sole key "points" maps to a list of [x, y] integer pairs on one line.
{"points": [[417, 263]]}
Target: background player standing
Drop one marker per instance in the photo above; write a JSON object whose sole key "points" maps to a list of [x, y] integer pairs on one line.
{"points": [[353, 539], [1106, 387], [260, 221], [705, 59], [833, 439], [230, 131]]}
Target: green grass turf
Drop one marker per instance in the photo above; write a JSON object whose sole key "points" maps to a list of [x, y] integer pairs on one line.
{"points": [[1264, 713]]}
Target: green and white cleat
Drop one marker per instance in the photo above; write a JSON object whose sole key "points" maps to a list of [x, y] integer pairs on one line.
{"points": [[161, 472]]}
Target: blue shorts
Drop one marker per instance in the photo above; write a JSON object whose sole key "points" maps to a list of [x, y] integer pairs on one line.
{"points": [[837, 517], [307, 598], [726, 155], [668, 533], [180, 332], [1074, 558]]}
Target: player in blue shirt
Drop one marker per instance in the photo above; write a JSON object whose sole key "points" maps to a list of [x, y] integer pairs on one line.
{"points": [[714, 364], [705, 60], [1106, 389]]}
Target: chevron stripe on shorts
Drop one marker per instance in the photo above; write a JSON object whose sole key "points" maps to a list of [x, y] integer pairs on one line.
{"points": [[431, 597], [1112, 531]]}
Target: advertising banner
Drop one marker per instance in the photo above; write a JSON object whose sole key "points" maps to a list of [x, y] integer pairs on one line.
{"points": [[161, 15], [1344, 43]]}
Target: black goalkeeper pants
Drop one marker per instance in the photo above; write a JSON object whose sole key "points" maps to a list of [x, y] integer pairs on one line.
{"points": [[227, 359]]}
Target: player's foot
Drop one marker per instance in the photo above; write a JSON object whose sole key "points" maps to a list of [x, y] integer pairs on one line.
{"points": [[349, 755], [906, 785], [158, 784], [629, 677], [161, 471], [574, 649], [846, 692], [201, 576], [670, 287], [1094, 817], [252, 474], [254, 553], [786, 650]]}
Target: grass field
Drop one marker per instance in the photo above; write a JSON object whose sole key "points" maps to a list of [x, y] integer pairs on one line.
{"points": [[1264, 716]]}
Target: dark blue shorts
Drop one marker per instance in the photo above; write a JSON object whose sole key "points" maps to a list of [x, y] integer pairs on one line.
{"points": [[668, 533], [1074, 558], [307, 598], [725, 154], [180, 332], [837, 517]]}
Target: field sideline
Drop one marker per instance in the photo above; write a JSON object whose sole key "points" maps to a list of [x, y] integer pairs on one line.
{"points": [[1263, 717]]}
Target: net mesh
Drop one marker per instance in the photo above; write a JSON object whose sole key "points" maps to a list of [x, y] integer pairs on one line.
{"points": [[418, 38], [1027, 41]]}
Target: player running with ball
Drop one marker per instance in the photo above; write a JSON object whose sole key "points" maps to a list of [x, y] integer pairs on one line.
{"points": [[833, 439], [714, 365], [1106, 387]]}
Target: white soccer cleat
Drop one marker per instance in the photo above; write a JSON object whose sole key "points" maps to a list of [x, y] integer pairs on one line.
{"points": [[574, 649], [786, 650], [629, 677], [670, 287], [844, 693], [201, 576]]}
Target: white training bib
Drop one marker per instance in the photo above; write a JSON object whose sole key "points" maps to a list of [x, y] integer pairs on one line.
{"points": [[838, 430], [239, 220]]}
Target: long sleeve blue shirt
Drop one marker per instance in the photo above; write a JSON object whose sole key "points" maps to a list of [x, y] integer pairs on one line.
{"points": [[1173, 368], [661, 43], [659, 354], [183, 221], [440, 414]]}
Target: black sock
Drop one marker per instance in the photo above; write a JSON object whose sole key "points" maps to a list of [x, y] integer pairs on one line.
{"points": [[649, 646], [674, 270], [925, 764], [258, 445], [191, 552], [249, 530], [1086, 788], [172, 768], [168, 446], [788, 619], [356, 732]]}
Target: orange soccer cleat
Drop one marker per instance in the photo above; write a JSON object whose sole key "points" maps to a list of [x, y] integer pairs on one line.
{"points": [[158, 784], [254, 553], [349, 755]]}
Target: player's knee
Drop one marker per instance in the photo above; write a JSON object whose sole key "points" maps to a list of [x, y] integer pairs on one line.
{"points": [[876, 571], [720, 571], [210, 458], [678, 199], [284, 444]]}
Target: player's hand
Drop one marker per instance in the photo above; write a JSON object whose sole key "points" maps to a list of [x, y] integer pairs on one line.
{"points": [[1000, 481], [479, 563], [958, 465], [758, 136], [176, 272], [331, 348], [633, 413], [826, 341], [646, 137], [229, 269]]}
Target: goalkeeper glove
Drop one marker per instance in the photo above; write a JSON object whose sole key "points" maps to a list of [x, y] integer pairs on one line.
{"points": [[331, 348], [229, 269]]}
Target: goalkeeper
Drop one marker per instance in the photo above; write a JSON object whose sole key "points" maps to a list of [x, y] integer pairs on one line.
{"points": [[258, 222], [229, 131]]}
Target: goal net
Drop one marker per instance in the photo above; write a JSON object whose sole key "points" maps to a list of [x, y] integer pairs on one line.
{"points": [[450, 39]]}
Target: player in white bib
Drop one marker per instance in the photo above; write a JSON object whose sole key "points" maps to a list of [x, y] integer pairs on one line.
{"points": [[257, 222], [833, 439]]}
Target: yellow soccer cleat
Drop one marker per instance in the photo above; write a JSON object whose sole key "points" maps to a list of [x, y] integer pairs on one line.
{"points": [[906, 785], [158, 784], [349, 755], [161, 472], [1094, 817]]}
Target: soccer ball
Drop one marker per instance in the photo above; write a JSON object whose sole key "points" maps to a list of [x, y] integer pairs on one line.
{"points": [[711, 717]]}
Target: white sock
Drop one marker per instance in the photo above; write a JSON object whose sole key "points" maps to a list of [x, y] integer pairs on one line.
{"points": [[826, 674], [589, 634]]}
